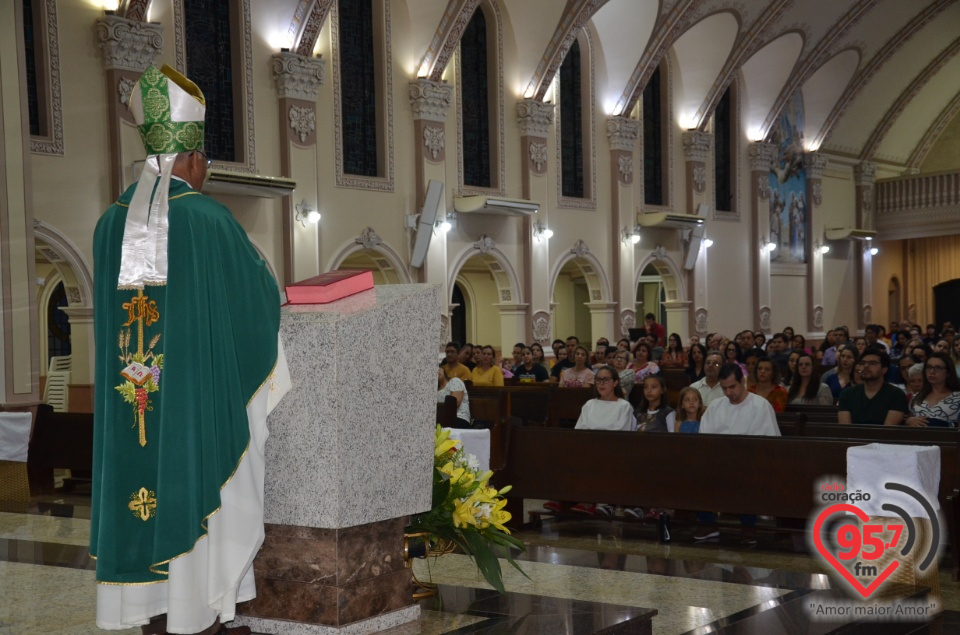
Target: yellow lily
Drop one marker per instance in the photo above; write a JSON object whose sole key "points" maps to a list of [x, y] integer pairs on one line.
{"points": [[442, 443], [463, 515]]}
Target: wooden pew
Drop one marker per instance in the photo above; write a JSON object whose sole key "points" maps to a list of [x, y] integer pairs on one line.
{"points": [[447, 412], [61, 440], [678, 471], [565, 406]]}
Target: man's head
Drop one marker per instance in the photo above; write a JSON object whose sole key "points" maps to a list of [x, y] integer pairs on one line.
{"points": [[712, 364], [557, 344], [747, 341], [873, 364], [452, 352], [871, 333], [650, 319], [731, 382], [466, 353], [518, 352], [776, 344], [572, 343]]}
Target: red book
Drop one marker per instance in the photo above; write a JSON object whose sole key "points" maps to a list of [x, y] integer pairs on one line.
{"points": [[328, 287]]}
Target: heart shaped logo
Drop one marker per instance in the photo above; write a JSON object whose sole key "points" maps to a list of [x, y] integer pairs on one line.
{"points": [[829, 557]]}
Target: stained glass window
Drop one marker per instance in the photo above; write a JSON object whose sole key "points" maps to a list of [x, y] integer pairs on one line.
{"points": [[723, 153], [209, 43], [358, 99], [653, 141], [475, 102], [571, 124]]}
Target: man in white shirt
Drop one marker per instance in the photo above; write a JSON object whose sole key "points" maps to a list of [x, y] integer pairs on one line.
{"points": [[709, 386], [739, 412]]}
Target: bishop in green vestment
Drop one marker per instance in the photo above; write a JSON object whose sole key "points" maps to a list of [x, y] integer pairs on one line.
{"points": [[186, 316]]}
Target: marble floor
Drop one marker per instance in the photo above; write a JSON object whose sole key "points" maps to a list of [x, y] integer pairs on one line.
{"points": [[581, 575]]}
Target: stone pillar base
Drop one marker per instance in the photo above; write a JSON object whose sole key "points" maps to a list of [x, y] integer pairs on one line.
{"points": [[312, 580]]}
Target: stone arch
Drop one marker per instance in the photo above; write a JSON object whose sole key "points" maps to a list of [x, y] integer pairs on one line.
{"points": [[54, 247], [387, 261], [673, 279], [504, 275], [596, 278]]}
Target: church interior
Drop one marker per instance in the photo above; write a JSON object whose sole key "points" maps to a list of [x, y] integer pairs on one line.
{"points": [[721, 164]]}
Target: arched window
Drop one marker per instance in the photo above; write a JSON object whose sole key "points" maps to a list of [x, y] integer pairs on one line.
{"points": [[42, 64], [358, 99], [654, 174], [214, 51], [475, 76], [724, 159], [573, 180]]}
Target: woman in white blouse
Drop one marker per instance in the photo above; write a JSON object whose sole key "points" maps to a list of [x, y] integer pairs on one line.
{"points": [[455, 387], [609, 410], [938, 402]]}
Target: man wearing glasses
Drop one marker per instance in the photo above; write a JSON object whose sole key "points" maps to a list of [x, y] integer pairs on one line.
{"points": [[709, 386], [874, 401]]}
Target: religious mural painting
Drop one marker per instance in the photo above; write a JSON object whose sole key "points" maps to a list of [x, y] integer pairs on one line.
{"points": [[788, 186]]}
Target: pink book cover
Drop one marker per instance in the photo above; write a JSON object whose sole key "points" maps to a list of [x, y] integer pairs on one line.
{"points": [[328, 287]]}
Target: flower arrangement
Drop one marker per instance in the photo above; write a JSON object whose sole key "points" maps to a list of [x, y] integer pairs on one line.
{"points": [[466, 511]]}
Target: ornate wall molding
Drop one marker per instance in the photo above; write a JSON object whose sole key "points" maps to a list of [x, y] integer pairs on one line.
{"points": [[765, 319], [818, 317], [433, 141], [311, 26], [447, 38], [369, 239], [538, 157], [535, 118], [541, 327], [384, 183], [697, 147], [575, 16], [303, 120], [580, 248], [628, 320], [127, 44], [52, 142], [761, 156], [864, 174], [485, 245], [815, 163], [700, 323], [430, 100], [625, 168], [919, 154], [298, 77], [244, 74], [623, 133]]}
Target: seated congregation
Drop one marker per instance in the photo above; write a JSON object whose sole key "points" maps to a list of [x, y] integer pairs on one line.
{"points": [[748, 385]]}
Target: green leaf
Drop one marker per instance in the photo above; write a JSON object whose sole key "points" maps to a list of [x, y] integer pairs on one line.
{"points": [[486, 560]]}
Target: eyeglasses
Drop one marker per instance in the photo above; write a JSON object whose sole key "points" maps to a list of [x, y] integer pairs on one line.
{"points": [[936, 368], [205, 157], [603, 380], [871, 362]]}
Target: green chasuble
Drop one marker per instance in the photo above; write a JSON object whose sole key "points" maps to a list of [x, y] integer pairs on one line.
{"points": [[176, 365]]}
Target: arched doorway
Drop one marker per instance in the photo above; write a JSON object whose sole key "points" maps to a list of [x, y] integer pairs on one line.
{"points": [[383, 270], [651, 295], [571, 293], [476, 292], [458, 317]]}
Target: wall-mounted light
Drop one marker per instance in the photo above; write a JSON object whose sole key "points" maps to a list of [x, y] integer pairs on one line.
{"points": [[874, 251], [541, 232], [445, 224], [707, 243], [767, 246], [630, 236], [306, 214], [821, 248]]}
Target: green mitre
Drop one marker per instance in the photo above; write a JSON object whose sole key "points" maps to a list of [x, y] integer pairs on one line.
{"points": [[169, 110]]}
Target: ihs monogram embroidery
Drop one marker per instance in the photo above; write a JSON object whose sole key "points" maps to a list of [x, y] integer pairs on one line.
{"points": [[143, 377]]}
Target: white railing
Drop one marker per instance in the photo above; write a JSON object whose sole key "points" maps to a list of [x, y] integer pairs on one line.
{"points": [[918, 191]]}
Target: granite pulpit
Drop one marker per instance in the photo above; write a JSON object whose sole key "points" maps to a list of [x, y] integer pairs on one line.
{"points": [[348, 460]]}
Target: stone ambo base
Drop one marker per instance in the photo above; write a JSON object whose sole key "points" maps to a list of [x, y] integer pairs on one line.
{"points": [[332, 577]]}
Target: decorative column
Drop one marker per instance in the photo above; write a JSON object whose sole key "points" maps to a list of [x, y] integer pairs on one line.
{"points": [[19, 338], [864, 175], [697, 149], [430, 101], [298, 79], [815, 163], [678, 317], [761, 156], [535, 120], [129, 47], [622, 134]]}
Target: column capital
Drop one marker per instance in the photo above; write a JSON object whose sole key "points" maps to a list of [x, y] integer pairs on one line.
{"points": [[430, 100], [622, 133], [815, 163], [762, 156], [297, 76], [535, 118], [864, 173], [128, 44], [697, 145]]}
